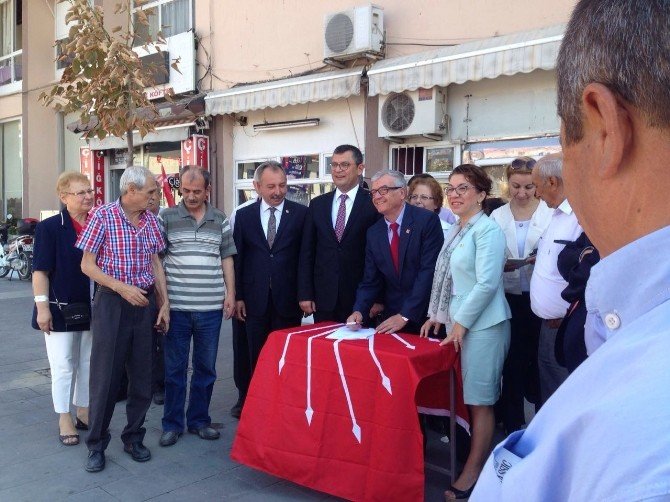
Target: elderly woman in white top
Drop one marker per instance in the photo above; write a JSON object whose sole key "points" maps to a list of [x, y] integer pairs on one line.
{"points": [[523, 221]]}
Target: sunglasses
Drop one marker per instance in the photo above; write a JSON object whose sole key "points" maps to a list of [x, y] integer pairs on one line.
{"points": [[522, 164]]}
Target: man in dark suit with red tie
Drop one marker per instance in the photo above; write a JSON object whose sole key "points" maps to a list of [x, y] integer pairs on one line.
{"points": [[400, 255], [332, 256], [267, 236]]}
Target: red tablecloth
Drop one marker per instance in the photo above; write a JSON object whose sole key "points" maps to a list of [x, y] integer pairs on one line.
{"points": [[348, 427]]}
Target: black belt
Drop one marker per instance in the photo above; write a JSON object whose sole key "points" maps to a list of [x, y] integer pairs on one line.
{"points": [[149, 289]]}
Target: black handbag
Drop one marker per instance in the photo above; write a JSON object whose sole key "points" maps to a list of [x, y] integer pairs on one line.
{"points": [[74, 313]]}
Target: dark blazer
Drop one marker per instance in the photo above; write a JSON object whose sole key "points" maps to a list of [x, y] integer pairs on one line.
{"points": [[257, 266], [330, 269], [408, 292], [55, 254]]}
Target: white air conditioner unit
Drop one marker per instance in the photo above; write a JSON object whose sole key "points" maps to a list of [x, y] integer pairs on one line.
{"points": [[352, 33], [412, 113]]}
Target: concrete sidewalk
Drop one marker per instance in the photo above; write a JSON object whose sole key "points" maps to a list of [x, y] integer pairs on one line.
{"points": [[34, 466]]}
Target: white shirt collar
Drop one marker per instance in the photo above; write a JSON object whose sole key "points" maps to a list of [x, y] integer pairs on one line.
{"points": [[265, 206], [351, 193]]}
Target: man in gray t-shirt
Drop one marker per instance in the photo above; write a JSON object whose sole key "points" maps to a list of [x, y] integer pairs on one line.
{"points": [[201, 288]]}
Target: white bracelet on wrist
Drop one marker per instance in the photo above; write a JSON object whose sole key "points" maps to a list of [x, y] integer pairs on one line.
{"points": [[41, 298]]}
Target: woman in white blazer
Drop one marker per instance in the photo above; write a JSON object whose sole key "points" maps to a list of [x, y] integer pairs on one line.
{"points": [[469, 300], [523, 220]]}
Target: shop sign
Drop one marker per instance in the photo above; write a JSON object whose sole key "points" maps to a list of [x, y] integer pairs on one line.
{"points": [[92, 165], [195, 151]]}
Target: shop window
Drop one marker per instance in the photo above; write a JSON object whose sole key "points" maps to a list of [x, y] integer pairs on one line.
{"points": [[411, 160], [11, 170], [170, 17], [10, 41]]}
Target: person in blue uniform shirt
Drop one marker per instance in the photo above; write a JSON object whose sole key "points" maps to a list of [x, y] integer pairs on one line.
{"points": [[603, 435]]}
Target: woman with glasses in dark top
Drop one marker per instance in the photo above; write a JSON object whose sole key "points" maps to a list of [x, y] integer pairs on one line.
{"points": [[523, 220]]}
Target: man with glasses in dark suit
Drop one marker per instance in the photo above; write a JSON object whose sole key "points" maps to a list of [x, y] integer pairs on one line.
{"points": [[332, 255]]}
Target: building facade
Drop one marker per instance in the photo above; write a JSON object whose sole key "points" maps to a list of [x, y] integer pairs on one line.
{"points": [[419, 87]]}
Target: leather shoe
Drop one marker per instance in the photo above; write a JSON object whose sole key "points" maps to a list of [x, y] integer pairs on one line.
{"points": [[236, 411], [206, 432], [159, 397], [168, 438], [95, 462], [138, 451]]}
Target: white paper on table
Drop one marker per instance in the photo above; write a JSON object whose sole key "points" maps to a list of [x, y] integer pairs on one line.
{"points": [[345, 333]]}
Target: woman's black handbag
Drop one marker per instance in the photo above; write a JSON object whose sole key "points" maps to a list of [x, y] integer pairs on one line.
{"points": [[74, 313]]}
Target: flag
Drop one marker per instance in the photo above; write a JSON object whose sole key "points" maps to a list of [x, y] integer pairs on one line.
{"points": [[167, 191]]}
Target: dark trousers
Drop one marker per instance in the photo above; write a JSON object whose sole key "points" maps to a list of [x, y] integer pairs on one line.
{"points": [[520, 372], [241, 361], [338, 314], [203, 328], [122, 340], [158, 362], [260, 326]]}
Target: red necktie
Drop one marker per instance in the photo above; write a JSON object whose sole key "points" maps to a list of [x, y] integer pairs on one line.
{"points": [[395, 246]]}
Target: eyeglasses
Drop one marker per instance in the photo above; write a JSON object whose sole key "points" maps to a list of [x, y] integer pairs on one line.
{"points": [[81, 193], [383, 190], [460, 189], [522, 164], [422, 198], [342, 166]]}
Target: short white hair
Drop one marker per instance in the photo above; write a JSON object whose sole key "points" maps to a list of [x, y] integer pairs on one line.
{"points": [[398, 178], [549, 166], [134, 175]]}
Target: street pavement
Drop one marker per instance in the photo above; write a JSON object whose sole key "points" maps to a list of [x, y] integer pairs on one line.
{"points": [[35, 466]]}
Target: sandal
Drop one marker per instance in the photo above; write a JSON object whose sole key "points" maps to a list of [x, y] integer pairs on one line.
{"points": [[459, 494], [79, 425], [66, 439]]}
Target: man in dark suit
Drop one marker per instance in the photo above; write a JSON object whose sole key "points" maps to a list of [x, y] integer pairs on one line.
{"points": [[332, 255], [267, 235], [400, 255]]}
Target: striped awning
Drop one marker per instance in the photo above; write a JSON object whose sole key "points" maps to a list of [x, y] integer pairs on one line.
{"points": [[289, 91], [471, 61]]}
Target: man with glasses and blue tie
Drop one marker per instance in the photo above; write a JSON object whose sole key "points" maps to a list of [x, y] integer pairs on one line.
{"points": [[332, 256], [400, 255]]}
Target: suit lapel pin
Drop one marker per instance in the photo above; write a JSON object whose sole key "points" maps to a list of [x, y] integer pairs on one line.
{"points": [[286, 211], [407, 231]]}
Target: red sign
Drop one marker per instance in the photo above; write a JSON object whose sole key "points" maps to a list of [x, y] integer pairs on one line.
{"points": [[92, 164], [195, 151]]}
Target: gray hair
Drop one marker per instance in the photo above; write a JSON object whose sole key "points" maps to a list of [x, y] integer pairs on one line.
{"points": [[196, 171], [624, 45], [273, 165], [551, 165], [134, 175], [398, 177]]}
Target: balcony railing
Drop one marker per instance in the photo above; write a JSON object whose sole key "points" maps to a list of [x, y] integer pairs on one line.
{"points": [[11, 68]]}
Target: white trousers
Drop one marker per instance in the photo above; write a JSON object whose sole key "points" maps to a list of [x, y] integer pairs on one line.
{"points": [[69, 355]]}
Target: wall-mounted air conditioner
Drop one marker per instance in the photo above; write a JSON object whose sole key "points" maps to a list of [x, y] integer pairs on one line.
{"points": [[354, 33], [412, 113]]}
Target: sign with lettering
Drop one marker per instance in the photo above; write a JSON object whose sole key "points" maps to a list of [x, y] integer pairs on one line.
{"points": [[195, 151], [92, 165]]}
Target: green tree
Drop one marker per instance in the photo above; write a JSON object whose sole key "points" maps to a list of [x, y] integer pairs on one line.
{"points": [[105, 81]]}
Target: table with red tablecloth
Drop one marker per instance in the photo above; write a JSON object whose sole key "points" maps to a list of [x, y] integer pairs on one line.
{"points": [[341, 416]]}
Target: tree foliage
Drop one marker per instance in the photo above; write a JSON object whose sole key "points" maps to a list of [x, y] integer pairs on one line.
{"points": [[105, 81]]}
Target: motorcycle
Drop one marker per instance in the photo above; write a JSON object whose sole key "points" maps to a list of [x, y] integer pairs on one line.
{"points": [[17, 255]]}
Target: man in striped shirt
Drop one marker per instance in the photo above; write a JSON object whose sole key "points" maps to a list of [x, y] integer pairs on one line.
{"points": [[201, 287]]}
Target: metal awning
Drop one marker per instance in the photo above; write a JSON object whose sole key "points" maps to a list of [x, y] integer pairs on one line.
{"points": [[289, 91], [471, 61], [171, 119]]}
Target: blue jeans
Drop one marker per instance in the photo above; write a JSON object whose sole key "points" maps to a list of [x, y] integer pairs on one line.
{"points": [[204, 327]]}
